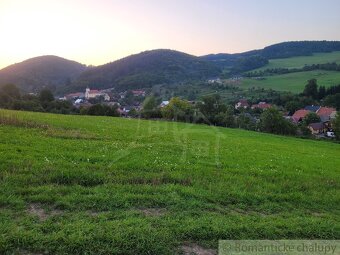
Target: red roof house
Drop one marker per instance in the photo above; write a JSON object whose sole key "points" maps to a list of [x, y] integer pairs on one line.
{"points": [[75, 95], [261, 105], [299, 115], [243, 103], [325, 111]]}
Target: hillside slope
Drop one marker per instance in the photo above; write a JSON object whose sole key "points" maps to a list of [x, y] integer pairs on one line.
{"points": [[146, 69], [275, 51], [301, 61], [296, 81], [100, 185], [45, 71], [293, 82]]}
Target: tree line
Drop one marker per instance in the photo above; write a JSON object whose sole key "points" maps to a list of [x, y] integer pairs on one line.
{"points": [[44, 101], [211, 110], [330, 96]]}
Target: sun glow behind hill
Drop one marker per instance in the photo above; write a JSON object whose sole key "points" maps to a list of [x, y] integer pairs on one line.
{"points": [[62, 28], [97, 32]]}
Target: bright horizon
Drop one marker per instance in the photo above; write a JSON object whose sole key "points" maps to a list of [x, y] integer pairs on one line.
{"points": [[98, 32]]}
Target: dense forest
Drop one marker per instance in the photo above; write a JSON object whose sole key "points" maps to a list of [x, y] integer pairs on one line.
{"points": [[146, 69], [301, 48], [46, 71]]}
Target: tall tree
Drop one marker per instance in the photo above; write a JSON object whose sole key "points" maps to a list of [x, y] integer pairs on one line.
{"points": [[46, 96], [149, 103], [226, 119], [246, 121], [311, 89], [293, 106], [178, 109], [311, 117], [150, 108], [322, 92], [333, 100], [272, 121], [211, 106]]}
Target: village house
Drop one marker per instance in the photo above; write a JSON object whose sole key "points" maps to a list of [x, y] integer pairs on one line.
{"points": [[326, 111], [299, 115], [316, 128], [96, 93], [243, 103], [216, 80], [78, 101], [326, 115], [164, 103], [312, 108], [261, 105]]}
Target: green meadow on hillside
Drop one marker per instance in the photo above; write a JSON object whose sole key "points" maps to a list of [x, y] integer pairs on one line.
{"points": [[294, 82], [299, 62], [101, 185]]}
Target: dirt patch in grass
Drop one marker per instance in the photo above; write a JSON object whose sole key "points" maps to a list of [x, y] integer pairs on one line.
{"points": [[85, 178], [161, 180], [195, 249], [317, 214], [239, 211], [153, 212], [41, 213], [93, 213]]}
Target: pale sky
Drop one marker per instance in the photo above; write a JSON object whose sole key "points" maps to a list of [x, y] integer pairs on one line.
{"points": [[99, 31]]}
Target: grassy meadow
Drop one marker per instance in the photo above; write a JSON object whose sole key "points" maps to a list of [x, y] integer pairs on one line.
{"points": [[294, 82], [299, 62], [101, 185]]}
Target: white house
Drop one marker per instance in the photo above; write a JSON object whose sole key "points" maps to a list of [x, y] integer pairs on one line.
{"points": [[164, 103], [79, 101], [213, 81], [243, 103]]}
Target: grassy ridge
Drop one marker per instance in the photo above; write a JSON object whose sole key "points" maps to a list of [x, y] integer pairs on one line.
{"points": [[97, 185], [294, 82]]}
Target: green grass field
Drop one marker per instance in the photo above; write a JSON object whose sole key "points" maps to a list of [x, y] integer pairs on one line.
{"points": [[294, 82], [100, 185], [299, 62]]}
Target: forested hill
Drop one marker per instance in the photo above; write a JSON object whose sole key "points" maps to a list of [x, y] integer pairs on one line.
{"points": [[45, 71], [302, 48], [254, 59], [146, 69]]}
